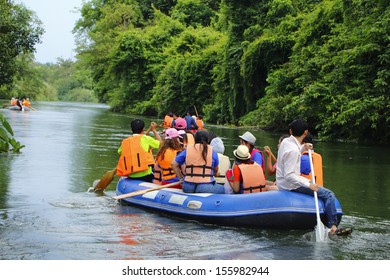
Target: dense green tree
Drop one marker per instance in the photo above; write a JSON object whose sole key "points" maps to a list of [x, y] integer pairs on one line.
{"points": [[20, 31], [192, 13], [337, 76], [259, 63]]}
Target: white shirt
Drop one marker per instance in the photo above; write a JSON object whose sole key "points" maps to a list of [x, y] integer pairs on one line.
{"points": [[288, 165]]}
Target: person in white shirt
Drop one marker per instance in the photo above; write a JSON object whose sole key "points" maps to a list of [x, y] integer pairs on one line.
{"points": [[288, 174]]}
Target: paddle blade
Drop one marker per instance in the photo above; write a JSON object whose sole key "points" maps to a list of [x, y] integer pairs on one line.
{"points": [[105, 180], [321, 232]]}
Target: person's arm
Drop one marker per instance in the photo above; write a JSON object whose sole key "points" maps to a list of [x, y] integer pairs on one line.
{"points": [[195, 124], [237, 179], [153, 128], [177, 162], [176, 169], [270, 161]]}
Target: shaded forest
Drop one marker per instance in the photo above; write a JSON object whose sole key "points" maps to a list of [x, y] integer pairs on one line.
{"points": [[259, 63]]}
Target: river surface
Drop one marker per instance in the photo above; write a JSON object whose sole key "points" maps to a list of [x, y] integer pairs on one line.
{"points": [[46, 212]]}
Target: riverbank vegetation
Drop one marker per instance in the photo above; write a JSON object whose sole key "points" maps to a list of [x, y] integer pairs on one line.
{"points": [[261, 63]]}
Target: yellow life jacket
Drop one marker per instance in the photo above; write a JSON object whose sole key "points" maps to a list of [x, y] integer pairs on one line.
{"points": [[197, 170], [253, 179], [317, 165], [133, 157], [165, 164]]}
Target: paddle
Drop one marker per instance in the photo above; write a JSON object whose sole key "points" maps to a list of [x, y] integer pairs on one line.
{"points": [[196, 111], [105, 180], [146, 191], [320, 228]]}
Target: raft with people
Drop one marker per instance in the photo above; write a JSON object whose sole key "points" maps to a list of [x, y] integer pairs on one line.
{"points": [[270, 209], [17, 108]]}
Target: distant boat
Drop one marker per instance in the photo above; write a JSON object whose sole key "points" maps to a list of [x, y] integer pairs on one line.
{"points": [[272, 209], [17, 108]]}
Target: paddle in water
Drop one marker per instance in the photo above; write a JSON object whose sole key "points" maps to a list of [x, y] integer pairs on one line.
{"points": [[104, 181], [321, 232]]}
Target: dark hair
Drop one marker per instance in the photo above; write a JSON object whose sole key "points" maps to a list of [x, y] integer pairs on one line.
{"points": [[298, 127], [308, 138], [137, 125], [173, 144], [202, 137], [284, 136], [211, 136]]}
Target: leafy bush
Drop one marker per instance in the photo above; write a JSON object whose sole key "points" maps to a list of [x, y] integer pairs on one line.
{"points": [[7, 142]]}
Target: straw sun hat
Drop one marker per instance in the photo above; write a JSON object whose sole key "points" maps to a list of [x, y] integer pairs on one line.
{"points": [[242, 152]]}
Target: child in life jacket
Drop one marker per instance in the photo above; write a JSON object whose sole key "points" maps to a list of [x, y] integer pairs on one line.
{"points": [[136, 159], [171, 147]]}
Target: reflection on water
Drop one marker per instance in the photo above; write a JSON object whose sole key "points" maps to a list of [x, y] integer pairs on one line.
{"points": [[47, 213]]}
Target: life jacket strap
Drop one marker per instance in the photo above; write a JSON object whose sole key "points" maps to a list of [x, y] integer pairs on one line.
{"points": [[251, 189]]}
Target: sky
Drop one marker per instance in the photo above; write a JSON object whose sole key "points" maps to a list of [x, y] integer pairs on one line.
{"points": [[58, 19]]}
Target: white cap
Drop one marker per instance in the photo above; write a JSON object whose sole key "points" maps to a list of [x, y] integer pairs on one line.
{"points": [[248, 137]]}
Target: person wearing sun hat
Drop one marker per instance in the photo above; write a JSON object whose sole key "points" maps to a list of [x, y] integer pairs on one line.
{"points": [[246, 173], [170, 148], [249, 140]]}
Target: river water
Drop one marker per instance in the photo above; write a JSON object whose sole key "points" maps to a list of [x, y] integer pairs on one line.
{"points": [[46, 212]]}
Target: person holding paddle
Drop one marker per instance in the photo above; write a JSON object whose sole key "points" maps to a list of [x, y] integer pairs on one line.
{"points": [[288, 174]]}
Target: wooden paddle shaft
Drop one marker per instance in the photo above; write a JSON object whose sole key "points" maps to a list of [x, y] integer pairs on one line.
{"points": [[145, 191]]}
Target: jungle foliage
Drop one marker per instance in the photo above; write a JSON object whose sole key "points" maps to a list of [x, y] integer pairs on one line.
{"points": [[261, 63]]}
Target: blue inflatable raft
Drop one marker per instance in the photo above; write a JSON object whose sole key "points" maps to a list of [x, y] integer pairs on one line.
{"points": [[274, 209]]}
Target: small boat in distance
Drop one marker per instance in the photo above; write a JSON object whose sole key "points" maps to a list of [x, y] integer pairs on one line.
{"points": [[17, 108]]}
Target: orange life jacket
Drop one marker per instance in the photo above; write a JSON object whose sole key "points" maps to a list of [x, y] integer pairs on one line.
{"points": [[167, 123], [165, 164], [133, 157], [253, 179], [199, 123], [13, 102], [157, 174], [197, 170], [190, 139], [317, 165], [26, 103]]}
